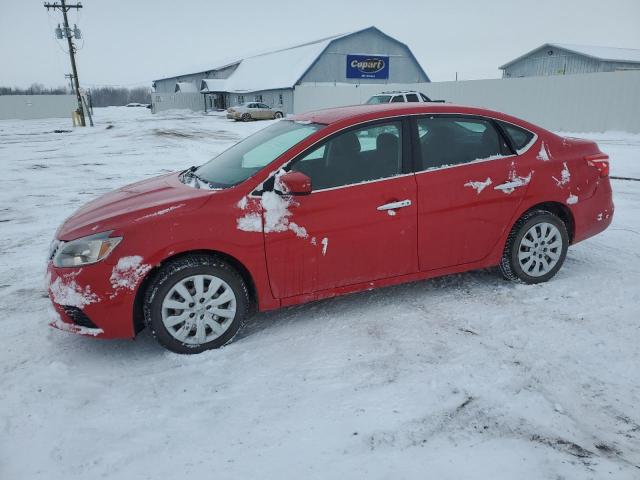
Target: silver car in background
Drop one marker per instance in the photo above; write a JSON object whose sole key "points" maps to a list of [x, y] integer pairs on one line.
{"points": [[253, 111], [402, 96]]}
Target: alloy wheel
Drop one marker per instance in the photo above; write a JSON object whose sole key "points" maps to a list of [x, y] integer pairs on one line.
{"points": [[540, 249], [198, 309]]}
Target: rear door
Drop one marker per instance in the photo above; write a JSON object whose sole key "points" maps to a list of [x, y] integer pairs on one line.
{"points": [[359, 222], [265, 111], [252, 109], [470, 184]]}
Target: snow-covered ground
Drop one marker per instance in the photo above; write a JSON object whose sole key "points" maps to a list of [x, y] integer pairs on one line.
{"points": [[462, 377]]}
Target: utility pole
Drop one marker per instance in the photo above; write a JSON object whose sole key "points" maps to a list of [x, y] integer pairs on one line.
{"points": [[62, 6], [70, 77]]}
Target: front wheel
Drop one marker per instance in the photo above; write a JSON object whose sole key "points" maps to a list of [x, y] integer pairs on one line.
{"points": [[196, 303], [536, 248]]}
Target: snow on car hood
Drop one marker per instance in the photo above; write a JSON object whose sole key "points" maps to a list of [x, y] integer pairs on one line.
{"points": [[146, 200]]}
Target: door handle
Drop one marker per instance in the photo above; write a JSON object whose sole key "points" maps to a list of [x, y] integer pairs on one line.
{"points": [[394, 205]]}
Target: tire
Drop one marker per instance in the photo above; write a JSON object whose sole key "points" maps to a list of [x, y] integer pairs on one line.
{"points": [[222, 290], [278, 115], [246, 117], [536, 248]]}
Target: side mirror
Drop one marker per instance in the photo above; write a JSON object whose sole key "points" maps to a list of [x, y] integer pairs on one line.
{"points": [[293, 183]]}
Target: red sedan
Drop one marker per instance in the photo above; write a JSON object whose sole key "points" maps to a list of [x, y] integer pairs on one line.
{"points": [[325, 203]]}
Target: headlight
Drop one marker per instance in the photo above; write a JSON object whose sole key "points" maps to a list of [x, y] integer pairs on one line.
{"points": [[85, 251]]}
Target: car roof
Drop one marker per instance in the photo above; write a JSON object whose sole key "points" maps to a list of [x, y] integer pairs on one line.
{"points": [[365, 112], [396, 92]]}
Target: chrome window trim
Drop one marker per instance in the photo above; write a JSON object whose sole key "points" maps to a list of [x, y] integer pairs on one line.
{"points": [[400, 116]]}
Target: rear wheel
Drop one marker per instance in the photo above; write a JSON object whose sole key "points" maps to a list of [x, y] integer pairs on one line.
{"points": [[246, 117], [278, 115], [536, 248], [195, 303]]}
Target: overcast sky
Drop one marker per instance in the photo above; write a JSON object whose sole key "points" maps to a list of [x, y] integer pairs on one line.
{"points": [[131, 42]]}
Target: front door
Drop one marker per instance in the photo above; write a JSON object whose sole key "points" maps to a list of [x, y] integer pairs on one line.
{"points": [[469, 188], [359, 222]]}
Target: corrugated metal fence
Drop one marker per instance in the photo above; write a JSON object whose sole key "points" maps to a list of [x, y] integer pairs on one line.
{"points": [[27, 107], [181, 100], [592, 102]]}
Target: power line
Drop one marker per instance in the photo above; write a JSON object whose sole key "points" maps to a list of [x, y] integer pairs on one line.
{"points": [[69, 33]]}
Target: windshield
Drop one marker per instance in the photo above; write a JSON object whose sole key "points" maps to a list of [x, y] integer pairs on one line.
{"points": [[241, 161], [379, 99]]}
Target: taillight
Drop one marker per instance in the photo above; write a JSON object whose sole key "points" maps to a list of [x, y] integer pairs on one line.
{"points": [[599, 161]]}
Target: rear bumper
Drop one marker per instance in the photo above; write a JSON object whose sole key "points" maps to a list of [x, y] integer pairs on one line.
{"points": [[234, 116], [85, 303], [594, 214]]}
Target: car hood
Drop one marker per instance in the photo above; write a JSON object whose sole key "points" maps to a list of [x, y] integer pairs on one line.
{"points": [[142, 201]]}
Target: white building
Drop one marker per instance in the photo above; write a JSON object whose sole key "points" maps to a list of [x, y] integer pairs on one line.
{"points": [[565, 59], [367, 56]]}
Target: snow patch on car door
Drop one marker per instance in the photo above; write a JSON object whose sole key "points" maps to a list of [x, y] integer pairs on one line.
{"points": [[514, 181], [276, 216], [478, 186], [565, 176], [543, 154]]}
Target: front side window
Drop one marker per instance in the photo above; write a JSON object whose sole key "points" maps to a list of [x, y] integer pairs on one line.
{"points": [[241, 161], [377, 99], [361, 155], [448, 141], [412, 97]]}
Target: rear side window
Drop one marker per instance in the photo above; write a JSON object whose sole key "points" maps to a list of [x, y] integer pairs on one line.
{"points": [[448, 141], [519, 137], [397, 99], [412, 97]]}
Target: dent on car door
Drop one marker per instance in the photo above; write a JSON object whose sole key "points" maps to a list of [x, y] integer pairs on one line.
{"points": [[469, 187], [359, 222]]}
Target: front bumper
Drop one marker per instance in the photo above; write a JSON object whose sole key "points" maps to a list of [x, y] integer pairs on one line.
{"points": [[85, 302]]}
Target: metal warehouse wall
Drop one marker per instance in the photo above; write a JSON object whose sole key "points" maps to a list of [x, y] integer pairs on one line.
{"points": [[178, 101], [592, 102], [195, 101], [168, 85], [331, 66], [270, 97], [560, 61], [27, 107]]}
